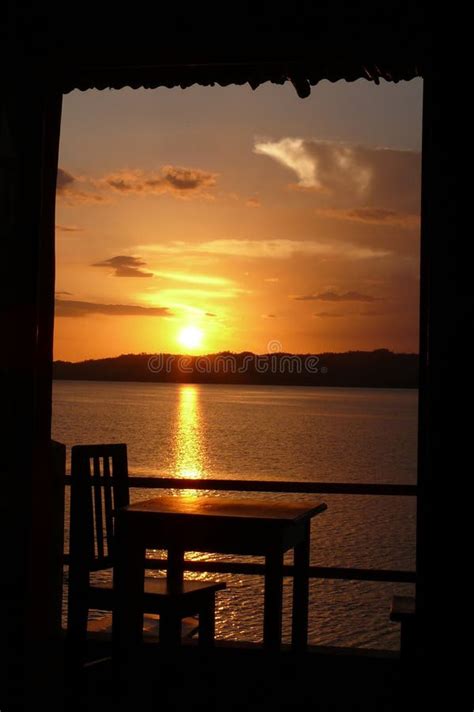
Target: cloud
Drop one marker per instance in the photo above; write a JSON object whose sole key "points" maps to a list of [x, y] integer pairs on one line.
{"points": [[60, 294], [291, 153], [210, 314], [334, 297], [70, 308], [320, 165], [195, 278], [253, 203], [174, 180], [174, 247], [68, 228], [63, 180], [383, 177], [176, 296], [70, 189], [283, 249], [373, 216], [328, 315], [269, 316], [271, 280], [125, 266]]}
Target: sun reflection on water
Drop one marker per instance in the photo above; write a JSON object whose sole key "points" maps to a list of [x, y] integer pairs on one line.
{"points": [[189, 443], [190, 451]]}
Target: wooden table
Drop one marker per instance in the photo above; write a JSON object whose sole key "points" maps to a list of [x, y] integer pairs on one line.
{"points": [[242, 526]]}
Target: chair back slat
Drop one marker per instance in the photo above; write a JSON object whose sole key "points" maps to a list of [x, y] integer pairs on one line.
{"points": [[98, 508], [108, 505], [99, 486]]}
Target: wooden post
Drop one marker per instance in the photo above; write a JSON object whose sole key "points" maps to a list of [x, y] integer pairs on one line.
{"points": [[445, 328], [29, 141]]}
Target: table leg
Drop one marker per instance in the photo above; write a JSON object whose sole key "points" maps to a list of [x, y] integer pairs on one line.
{"points": [[170, 620], [207, 624], [273, 599], [170, 629], [301, 591], [127, 622], [175, 574]]}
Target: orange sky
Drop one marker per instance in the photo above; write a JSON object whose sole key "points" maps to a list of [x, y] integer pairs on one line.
{"points": [[248, 216]]}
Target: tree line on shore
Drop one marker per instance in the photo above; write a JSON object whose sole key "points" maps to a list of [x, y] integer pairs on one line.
{"points": [[366, 369]]}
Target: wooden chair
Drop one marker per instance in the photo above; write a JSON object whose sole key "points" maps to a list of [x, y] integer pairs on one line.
{"points": [[403, 611], [99, 486]]}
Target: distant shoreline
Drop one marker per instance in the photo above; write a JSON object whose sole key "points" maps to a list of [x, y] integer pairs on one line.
{"points": [[353, 369]]}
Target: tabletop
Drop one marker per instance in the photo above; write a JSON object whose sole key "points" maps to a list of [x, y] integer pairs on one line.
{"points": [[226, 508]]}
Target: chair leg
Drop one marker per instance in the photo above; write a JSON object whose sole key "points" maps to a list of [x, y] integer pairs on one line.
{"points": [[76, 634], [407, 641], [170, 629], [207, 624]]}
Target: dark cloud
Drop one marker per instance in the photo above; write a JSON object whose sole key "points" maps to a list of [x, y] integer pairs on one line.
{"points": [[60, 294], [64, 179], [68, 228], [378, 215], [374, 216], [70, 308], [187, 178], [210, 314], [253, 202], [268, 316], [173, 180], [328, 315], [180, 182], [334, 297], [125, 266], [70, 189]]}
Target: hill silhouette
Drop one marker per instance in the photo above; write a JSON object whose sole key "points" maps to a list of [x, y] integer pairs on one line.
{"points": [[370, 369]]}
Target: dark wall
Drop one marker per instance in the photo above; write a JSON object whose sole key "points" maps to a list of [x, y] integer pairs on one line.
{"points": [[30, 517], [44, 51]]}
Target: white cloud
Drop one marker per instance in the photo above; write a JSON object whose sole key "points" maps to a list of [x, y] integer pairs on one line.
{"points": [[174, 296], [205, 279], [320, 165], [291, 152], [352, 174], [268, 249], [283, 249]]}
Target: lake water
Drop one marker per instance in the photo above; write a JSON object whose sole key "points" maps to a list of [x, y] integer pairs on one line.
{"points": [[286, 433]]}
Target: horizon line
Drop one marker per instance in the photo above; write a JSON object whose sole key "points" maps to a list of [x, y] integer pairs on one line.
{"points": [[239, 353]]}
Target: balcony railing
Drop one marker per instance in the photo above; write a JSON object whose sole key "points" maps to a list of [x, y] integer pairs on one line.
{"points": [[251, 568]]}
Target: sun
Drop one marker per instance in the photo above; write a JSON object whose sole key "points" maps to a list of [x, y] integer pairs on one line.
{"points": [[190, 337]]}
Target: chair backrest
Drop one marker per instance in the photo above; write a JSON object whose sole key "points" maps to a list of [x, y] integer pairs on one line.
{"points": [[99, 486]]}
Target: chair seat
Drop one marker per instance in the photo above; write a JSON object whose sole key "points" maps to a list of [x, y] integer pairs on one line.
{"points": [[403, 608], [101, 628], [189, 599]]}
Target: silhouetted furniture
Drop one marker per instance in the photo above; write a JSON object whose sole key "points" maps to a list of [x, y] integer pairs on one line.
{"points": [[403, 612], [54, 556], [241, 526], [100, 486]]}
